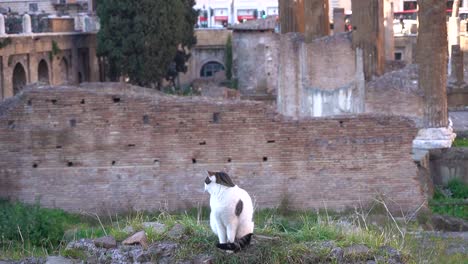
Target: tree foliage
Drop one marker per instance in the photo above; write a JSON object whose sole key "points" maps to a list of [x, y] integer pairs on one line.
{"points": [[140, 41]]}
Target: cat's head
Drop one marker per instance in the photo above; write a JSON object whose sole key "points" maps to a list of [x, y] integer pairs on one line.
{"points": [[215, 179]]}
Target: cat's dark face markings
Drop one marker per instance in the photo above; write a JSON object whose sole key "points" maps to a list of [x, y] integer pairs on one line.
{"points": [[221, 178]]}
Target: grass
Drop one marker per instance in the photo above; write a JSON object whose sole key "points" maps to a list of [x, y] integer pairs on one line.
{"points": [[460, 142], [451, 199], [282, 236]]}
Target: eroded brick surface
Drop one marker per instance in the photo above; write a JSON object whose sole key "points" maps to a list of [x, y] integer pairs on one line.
{"points": [[119, 148]]}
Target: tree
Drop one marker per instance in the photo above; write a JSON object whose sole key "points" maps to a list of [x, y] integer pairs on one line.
{"points": [[139, 41]]}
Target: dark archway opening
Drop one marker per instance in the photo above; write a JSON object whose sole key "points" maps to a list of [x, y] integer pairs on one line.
{"points": [[210, 69], [19, 78], [43, 72]]}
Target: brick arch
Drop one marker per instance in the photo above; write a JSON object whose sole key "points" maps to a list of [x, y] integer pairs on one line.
{"points": [[43, 72], [205, 63], [19, 78]]}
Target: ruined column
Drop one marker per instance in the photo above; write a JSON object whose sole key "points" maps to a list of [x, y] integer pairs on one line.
{"points": [[338, 20], [389, 35], [453, 32], [290, 13], [2, 25], [305, 16], [368, 35], [457, 77], [317, 22], [432, 59], [27, 24]]}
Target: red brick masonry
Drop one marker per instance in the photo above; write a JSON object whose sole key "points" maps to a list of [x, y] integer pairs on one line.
{"points": [[105, 147]]}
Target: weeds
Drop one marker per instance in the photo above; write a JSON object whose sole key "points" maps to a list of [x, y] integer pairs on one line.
{"points": [[282, 236]]}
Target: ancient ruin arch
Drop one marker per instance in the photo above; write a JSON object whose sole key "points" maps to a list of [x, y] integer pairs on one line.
{"points": [[43, 72], [210, 68], [19, 78], [63, 71]]}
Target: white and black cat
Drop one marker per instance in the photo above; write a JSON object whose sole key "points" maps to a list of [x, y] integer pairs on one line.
{"points": [[231, 212]]}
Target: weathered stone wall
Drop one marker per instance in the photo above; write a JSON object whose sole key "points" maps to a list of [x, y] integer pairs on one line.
{"points": [[317, 78], [255, 63], [73, 60], [396, 93], [447, 164], [210, 47], [119, 148]]}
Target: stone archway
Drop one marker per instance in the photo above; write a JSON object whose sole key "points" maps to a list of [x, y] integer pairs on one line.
{"points": [[210, 68], [63, 71], [19, 78], [43, 72]]}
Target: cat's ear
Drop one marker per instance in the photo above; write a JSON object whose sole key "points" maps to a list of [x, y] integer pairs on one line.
{"points": [[224, 179]]}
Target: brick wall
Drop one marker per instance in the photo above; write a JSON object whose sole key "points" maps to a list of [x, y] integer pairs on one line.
{"points": [[116, 148]]}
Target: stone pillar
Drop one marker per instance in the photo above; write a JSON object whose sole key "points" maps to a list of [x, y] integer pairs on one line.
{"points": [[75, 66], [91, 6], [457, 77], [27, 24], [93, 59], [338, 20], [317, 22], [453, 32], [2, 25], [291, 12], [389, 34], [432, 59], [368, 34]]}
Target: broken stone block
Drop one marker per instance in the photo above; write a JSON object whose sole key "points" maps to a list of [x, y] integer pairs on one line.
{"points": [[137, 238], [105, 242]]}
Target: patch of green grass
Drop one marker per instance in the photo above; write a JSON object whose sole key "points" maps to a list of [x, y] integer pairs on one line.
{"points": [[451, 200], [30, 223], [282, 236], [460, 142]]}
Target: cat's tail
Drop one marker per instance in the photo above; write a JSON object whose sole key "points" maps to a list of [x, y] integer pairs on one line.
{"points": [[238, 243]]}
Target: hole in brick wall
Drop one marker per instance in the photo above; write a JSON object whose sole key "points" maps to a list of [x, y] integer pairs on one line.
{"points": [[113, 162], [11, 124], [54, 101], [145, 119], [215, 117], [70, 164], [341, 123], [131, 145], [268, 74], [116, 99], [194, 161], [271, 141], [265, 159], [202, 143], [82, 101], [29, 102], [354, 28], [119, 177], [229, 159], [34, 165], [157, 124], [58, 147], [72, 122], [156, 161]]}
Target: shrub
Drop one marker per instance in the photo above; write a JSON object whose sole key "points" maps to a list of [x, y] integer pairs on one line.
{"points": [[32, 224]]}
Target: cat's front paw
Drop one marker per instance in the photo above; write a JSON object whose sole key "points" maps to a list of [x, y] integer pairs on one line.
{"points": [[233, 247]]}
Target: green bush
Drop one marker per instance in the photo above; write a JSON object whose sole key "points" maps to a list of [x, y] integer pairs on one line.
{"points": [[32, 224], [458, 188]]}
